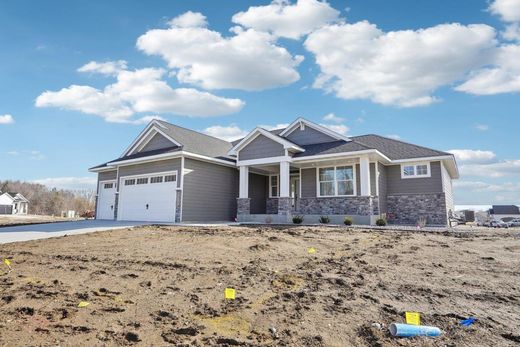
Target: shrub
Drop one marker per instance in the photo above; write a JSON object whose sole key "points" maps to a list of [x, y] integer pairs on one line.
{"points": [[324, 220], [381, 222], [297, 219], [348, 221]]}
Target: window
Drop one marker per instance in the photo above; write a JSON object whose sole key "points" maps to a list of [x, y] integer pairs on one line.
{"points": [[170, 178], [108, 185], [273, 186], [415, 170], [130, 182], [336, 181], [143, 180], [157, 179]]}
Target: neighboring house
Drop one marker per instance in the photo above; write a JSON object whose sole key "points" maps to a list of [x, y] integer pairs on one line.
{"points": [[13, 203], [504, 211], [172, 174]]}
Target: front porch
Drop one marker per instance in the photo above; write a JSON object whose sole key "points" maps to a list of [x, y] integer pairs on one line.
{"points": [[274, 190]]}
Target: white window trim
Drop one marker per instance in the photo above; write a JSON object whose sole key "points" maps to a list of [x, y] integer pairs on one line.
{"points": [[415, 164], [354, 183], [277, 187]]}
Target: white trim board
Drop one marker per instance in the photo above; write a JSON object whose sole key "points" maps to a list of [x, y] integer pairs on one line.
{"points": [[298, 123], [260, 131]]}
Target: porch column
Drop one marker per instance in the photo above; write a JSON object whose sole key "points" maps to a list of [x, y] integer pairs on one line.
{"points": [[284, 201], [364, 171], [244, 182], [243, 201]]}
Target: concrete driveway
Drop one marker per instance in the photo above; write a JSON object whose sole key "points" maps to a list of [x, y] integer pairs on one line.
{"points": [[43, 231]]}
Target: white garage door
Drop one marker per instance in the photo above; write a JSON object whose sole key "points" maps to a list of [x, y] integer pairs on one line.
{"points": [[106, 200], [148, 198]]}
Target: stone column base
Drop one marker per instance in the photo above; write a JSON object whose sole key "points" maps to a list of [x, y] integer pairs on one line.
{"points": [[284, 206], [178, 206], [243, 206]]}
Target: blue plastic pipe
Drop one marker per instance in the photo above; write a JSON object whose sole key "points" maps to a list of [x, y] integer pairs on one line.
{"points": [[408, 330]]}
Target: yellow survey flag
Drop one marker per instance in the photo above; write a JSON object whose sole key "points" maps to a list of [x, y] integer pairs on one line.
{"points": [[83, 304], [229, 294], [413, 318], [311, 250], [7, 262]]}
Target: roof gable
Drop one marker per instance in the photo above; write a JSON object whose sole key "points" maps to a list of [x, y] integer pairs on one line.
{"points": [[327, 135], [262, 132], [148, 134]]}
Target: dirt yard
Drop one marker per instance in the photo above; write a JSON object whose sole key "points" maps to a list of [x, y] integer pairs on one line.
{"points": [[155, 286]]}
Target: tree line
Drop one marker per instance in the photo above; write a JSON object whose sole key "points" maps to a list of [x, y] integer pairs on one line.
{"points": [[46, 201]]}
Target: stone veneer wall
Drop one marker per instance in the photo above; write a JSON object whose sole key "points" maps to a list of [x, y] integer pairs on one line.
{"points": [[271, 206], [284, 206], [409, 208], [243, 206], [116, 205], [354, 205]]}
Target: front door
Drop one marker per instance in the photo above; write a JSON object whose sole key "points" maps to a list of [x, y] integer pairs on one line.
{"points": [[295, 191]]}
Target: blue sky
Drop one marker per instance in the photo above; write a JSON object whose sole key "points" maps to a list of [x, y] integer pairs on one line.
{"points": [[397, 68]]}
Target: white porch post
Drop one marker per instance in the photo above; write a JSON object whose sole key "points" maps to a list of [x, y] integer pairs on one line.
{"points": [[364, 166], [285, 179], [243, 192]]}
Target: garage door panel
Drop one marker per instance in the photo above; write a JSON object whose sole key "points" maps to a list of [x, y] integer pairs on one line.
{"points": [[154, 202], [106, 200]]}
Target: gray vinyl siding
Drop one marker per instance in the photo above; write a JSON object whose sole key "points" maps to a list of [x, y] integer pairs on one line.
{"points": [[157, 142], [152, 167], [210, 192], [261, 147], [258, 193], [382, 188], [107, 175], [308, 136], [397, 185], [373, 187], [308, 183], [447, 188]]}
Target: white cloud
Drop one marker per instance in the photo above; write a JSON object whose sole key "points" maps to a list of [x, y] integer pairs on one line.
{"points": [[248, 60], [284, 19], [6, 119], [331, 117], [35, 155], [473, 156], [189, 20], [147, 119], [512, 32], [111, 68], [394, 136], [228, 133], [403, 68], [508, 10], [274, 126], [339, 128], [475, 192], [499, 169], [482, 127], [502, 77], [74, 183], [14, 153], [138, 91]]}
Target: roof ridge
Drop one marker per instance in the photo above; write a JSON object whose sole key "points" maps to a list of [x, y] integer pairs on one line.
{"points": [[404, 142], [194, 131]]}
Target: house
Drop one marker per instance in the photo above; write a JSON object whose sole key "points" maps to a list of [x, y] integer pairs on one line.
{"points": [[173, 174], [13, 203], [504, 211]]}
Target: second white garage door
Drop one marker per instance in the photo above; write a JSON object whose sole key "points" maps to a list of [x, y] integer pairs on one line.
{"points": [[149, 198]]}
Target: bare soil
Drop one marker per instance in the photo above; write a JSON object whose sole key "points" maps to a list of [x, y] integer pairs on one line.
{"points": [[156, 286]]}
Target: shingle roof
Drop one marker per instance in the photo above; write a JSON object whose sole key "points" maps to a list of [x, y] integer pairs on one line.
{"points": [[199, 143], [395, 149], [196, 142]]}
